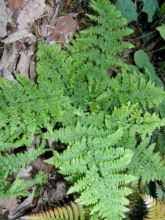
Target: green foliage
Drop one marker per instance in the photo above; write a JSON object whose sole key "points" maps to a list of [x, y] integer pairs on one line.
{"points": [[25, 110], [161, 30], [149, 7], [106, 122], [11, 163], [162, 10], [143, 62], [150, 166], [128, 9], [19, 186]]}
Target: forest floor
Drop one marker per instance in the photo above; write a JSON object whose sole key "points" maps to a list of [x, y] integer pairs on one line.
{"points": [[22, 24]]}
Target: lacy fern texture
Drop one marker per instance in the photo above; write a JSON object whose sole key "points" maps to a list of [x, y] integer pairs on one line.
{"points": [[106, 122]]}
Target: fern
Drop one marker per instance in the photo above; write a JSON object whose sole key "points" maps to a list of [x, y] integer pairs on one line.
{"points": [[70, 211], [106, 122], [121, 105], [19, 186], [133, 87], [150, 167], [96, 147]]}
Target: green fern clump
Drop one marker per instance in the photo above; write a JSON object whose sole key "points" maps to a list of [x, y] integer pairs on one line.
{"points": [[26, 109], [96, 166], [105, 122], [102, 143]]}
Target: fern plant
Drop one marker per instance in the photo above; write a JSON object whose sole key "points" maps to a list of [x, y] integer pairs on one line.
{"points": [[106, 122]]}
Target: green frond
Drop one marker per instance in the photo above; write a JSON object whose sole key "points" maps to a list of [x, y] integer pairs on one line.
{"points": [[102, 187], [132, 119], [146, 164], [51, 61], [85, 72], [19, 186], [10, 163], [133, 87], [92, 147]]}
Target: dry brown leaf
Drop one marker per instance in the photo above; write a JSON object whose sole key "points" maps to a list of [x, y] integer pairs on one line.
{"points": [[24, 62], [30, 13], [32, 71], [18, 36], [15, 4], [9, 203], [53, 194], [23, 207], [8, 61], [62, 29], [39, 165], [5, 17], [25, 173]]}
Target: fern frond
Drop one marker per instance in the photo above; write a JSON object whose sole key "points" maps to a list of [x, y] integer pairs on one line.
{"points": [[20, 186], [86, 73], [156, 208], [150, 166], [102, 182], [134, 87], [132, 119], [97, 167], [70, 211], [10, 163], [51, 61]]}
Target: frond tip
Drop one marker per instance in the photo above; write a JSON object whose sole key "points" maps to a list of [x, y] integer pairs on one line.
{"points": [[156, 208], [71, 211]]}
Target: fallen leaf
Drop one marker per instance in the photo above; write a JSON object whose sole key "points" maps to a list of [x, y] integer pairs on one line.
{"points": [[25, 173], [5, 17], [15, 4], [24, 206], [32, 71], [62, 29], [8, 61], [24, 62], [9, 203], [18, 36], [30, 13], [40, 165]]}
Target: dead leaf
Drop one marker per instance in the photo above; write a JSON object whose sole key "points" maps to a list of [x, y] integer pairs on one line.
{"points": [[8, 61], [32, 71], [40, 165], [25, 173], [15, 4], [23, 65], [53, 194], [30, 13], [18, 36], [62, 29], [24, 206], [9, 203], [5, 17]]}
